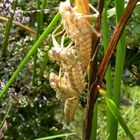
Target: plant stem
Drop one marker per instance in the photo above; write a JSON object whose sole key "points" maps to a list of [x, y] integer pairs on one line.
{"points": [[104, 64], [43, 6], [46, 57], [7, 113], [18, 24], [35, 54], [92, 91], [117, 115], [7, 30], [83, 6], [120, 56], [114, 41], [94, 123], [108, 72], [30, 53], [45, 61]]}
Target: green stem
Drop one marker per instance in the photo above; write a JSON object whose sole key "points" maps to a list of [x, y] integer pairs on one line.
{"points": [[46, 57], [35, 54], [117, 115], [94, 122], [43, 6], [30, 53], [7, 113], [45, 61], [39, 27], [108, 72], [7, 31], [120, 56]]}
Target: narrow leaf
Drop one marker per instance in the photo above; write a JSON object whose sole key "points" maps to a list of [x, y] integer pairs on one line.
{"points": [[55, 136], [30, 53], [114, 110]]}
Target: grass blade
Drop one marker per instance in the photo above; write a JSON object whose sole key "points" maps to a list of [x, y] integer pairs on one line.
{"points": [[105, 31], [34, 74], [55, 136], [120, 56], [30, 53], [7, 30], [114, 110], [94, 123]]}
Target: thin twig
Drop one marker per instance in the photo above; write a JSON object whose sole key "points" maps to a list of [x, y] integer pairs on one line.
{"points": [[19, 24]]}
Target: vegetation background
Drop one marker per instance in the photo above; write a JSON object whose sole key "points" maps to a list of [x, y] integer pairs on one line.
{"points": [[30, 109]]}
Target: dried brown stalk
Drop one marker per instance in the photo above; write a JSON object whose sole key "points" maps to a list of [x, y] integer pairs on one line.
{"points": [[19, 24]]}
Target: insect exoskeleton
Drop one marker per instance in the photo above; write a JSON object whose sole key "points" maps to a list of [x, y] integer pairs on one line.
{"points": [[78, 29], [73, 59], [62, 87], [76, 75], [72, 66], [64, 92], [70, 107], [67, 56]]}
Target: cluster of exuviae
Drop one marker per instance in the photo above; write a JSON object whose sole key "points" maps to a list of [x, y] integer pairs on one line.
{"points": [[73, 59]]}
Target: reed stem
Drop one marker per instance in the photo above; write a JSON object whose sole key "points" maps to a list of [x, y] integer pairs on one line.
{"points": [[108, 72], [120, 56], [7, 30]]}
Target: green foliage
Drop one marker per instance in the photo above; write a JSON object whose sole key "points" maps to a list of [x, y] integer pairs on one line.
{"points": [[133, 30], [33, 112], [7, 30], [30, 53], [56, 136], [115, 111]]}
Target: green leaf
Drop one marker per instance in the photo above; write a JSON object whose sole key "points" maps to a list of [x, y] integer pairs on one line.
{"points": [[111, 12], [31, 52], [56, 136], [114, 110]]}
